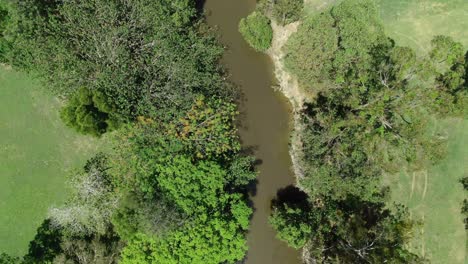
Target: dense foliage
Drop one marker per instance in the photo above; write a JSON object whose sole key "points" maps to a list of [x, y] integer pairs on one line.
{"points": [[282, 11], [173, 187], [372, 114], [256, 30], [90, 113], [370, 117], [139, 64], [5, 23], [346, 231]]}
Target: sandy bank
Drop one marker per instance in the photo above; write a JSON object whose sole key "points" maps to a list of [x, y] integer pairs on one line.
{"points": [[289, 86]]}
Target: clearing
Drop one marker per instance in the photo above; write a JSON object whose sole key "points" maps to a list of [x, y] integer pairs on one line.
{"points": [[37, 152], [435, 199]]}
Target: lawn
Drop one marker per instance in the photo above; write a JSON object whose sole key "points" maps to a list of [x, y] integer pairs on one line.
{"points": [[414, 22], [37, 153], [435, 198]]}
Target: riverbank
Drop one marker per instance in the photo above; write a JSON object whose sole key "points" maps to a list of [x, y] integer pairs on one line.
{"points": [[289, 86]]}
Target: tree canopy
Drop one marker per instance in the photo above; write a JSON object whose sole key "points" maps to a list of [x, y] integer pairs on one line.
{"points": [[256, 30]]}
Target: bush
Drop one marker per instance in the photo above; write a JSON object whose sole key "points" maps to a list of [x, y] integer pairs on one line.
{"points": [[90, 113], [256, 30]]}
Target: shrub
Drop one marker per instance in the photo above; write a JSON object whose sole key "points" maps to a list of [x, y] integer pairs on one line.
{"points": [[90, 113], [256, 30]]}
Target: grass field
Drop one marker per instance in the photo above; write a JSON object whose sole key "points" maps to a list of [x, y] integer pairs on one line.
{"points": [[414, 22], [435, 197], [36, 154]]}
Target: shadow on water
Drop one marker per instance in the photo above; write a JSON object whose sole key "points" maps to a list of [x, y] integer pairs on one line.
{"points": [[200, 4], [290, 195]]}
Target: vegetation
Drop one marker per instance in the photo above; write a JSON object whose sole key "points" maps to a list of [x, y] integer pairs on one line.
{"points": [[256, 30], [370, 118], [137, 64], [90, 113], [414, 23], [173, 187], [37, 152], [439, 235], [346, 231], [282, 11]]}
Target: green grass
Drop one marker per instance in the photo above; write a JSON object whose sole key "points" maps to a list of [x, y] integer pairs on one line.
{"points": [[36, 154], [435, 197], [415, 22]]}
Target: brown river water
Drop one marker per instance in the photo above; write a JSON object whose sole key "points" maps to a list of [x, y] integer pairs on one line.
{"points": [[266, 125]]}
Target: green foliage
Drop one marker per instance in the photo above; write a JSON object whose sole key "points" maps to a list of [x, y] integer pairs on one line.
{"points": [[370, 117], [446, 50], [350, 231], [241, 171], [7, 21], [89, 112], [287, 11], [372, 97], [7, 259], [336, 46], [310, 51], [208, 218], [293, 220], [207, 129], [140, 64], [212, 241], [46, 244], [193, 187], [256, 30]]}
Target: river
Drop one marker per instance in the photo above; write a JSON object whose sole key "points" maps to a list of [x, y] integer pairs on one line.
{"points": [[266, 125]]}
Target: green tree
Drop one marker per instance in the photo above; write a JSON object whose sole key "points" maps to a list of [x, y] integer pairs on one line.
{"points": [[142, 65], [46, 244], [5, 22], [256, 30], [287, 11], [347, 231], [207, 129], [89, 113], [7, 259]]}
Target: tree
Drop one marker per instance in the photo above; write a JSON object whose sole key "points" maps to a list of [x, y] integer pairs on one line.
{"points": [[256, 30], [287, 11], [347, 231], [92, 203], [207, 129], [46, 244], [292, 217], [89, 112], [5, 23], [7, 259], [143, 66]]}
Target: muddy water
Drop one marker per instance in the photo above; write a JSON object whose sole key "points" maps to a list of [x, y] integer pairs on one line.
{"points": [[266, 126]]}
